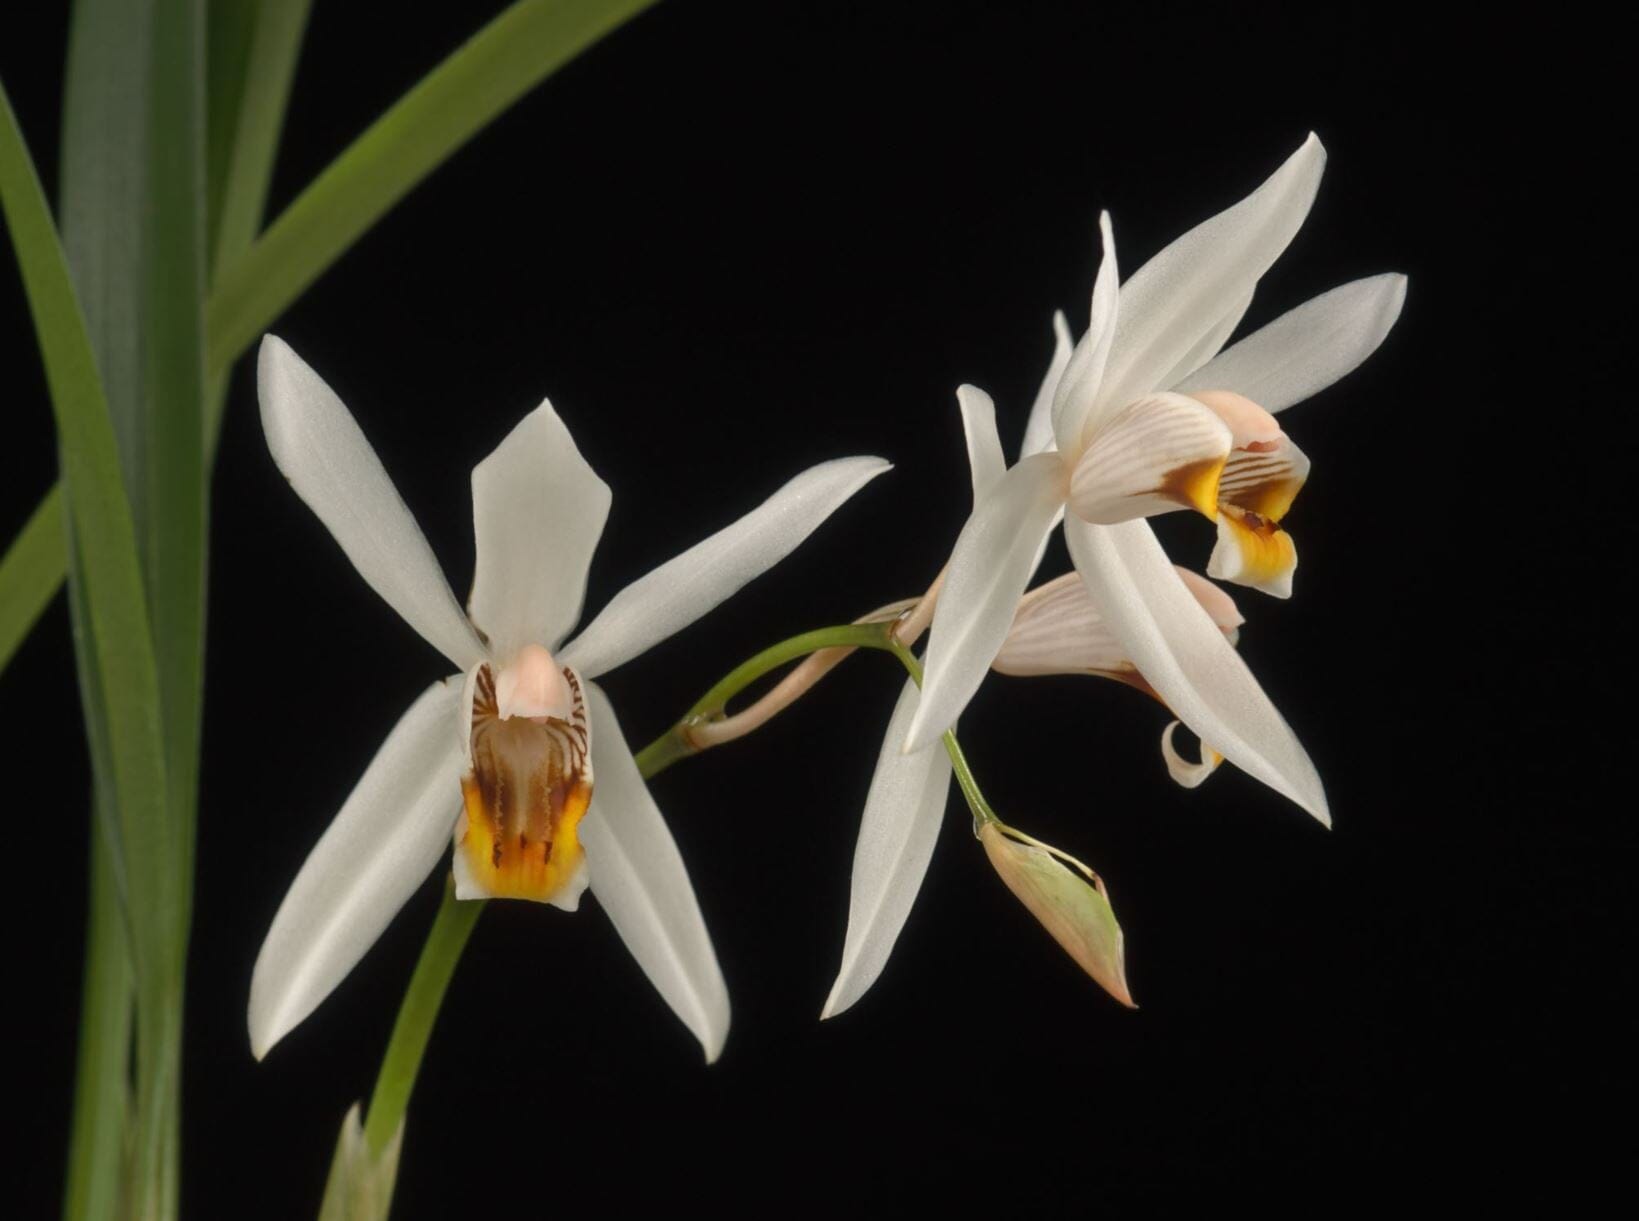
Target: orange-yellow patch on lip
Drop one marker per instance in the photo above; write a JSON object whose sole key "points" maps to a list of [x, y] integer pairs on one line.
{"points": [[511, 863], [1194, 485], [1266, 553]]}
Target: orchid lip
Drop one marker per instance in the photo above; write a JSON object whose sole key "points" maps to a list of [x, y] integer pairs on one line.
{"points": [[527, 787]]}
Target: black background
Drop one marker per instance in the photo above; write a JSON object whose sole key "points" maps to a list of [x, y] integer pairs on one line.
{"points": [[736, 239]]}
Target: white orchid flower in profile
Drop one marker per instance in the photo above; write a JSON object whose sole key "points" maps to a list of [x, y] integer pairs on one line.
{"points": [[1144, 415], [1122, 441], [518, 756], [1056, 630]]}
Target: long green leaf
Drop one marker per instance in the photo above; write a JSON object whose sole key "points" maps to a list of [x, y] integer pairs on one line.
{"points": [[248, 94], [114, 594], [30, 573], [102, 1076], [133, 222]]}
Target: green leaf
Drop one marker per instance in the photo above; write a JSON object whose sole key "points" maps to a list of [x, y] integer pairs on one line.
{"points": [[113, 589], [102, 1092], [30, 572], [508, 57], [133, 230], [253, 49]]}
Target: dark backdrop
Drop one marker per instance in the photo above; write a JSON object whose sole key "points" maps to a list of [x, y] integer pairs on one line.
{"points": [[736, 239]]}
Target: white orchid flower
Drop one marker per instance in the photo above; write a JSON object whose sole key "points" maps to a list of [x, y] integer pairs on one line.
{"points": [[502, 755], [1119, 440], [1113, 437]]}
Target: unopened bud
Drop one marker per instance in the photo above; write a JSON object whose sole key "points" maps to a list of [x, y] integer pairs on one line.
{"points": [[1069, 903]]}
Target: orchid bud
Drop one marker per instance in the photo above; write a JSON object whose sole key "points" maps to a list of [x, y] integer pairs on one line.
{"points": [[1070, 903]]}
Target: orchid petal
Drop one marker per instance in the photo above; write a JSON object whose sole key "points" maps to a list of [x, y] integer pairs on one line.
{"points": [[1254, 552], [318, 446], [668, 599], [1038, 430], [1159, 453], [1186, 774], [388, 837], [1080, 387], [1185, 657], [897, 832], [1211, 344], [538, 511], [1058, 629], [992, 563], [985, 459], [1307, 349], [1183, 292], [638, 877]]}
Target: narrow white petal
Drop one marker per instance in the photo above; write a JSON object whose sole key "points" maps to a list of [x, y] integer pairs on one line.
{"points": [[991, 565], [903, 810], [1182, 293], [1304, 351], [1038, 431], [1187, 659], [1211, 344], [1159, 453], [387, 838], [1080, 387], [638, 877], [537, 513], [985, 459], [318, 445], [677, 593]]}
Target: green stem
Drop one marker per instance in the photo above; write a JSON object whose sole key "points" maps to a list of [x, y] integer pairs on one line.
{"points": [[416, 1016], [455, 920]]}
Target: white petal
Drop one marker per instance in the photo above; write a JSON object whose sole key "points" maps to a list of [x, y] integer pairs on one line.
{"points": [[677, 593], [638, 877], [537, 513], [1186, 774], [318, 446], [1038, 431], [1211, 344], [984, 447], [1304, 351], [1058, 630], [1186, 658], [1159, 453], [991, 565], [1178, 296], [387, 838], [1079, 388], [903, 810]]}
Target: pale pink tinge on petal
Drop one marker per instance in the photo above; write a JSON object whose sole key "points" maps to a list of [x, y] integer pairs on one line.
{"points": [[1159, 453]]}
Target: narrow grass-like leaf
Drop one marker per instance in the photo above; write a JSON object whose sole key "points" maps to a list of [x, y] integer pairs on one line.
{"points": [[503, 61], [112, 588], [247, 96], [96, 492], [30, 573], [102, 1077]]}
